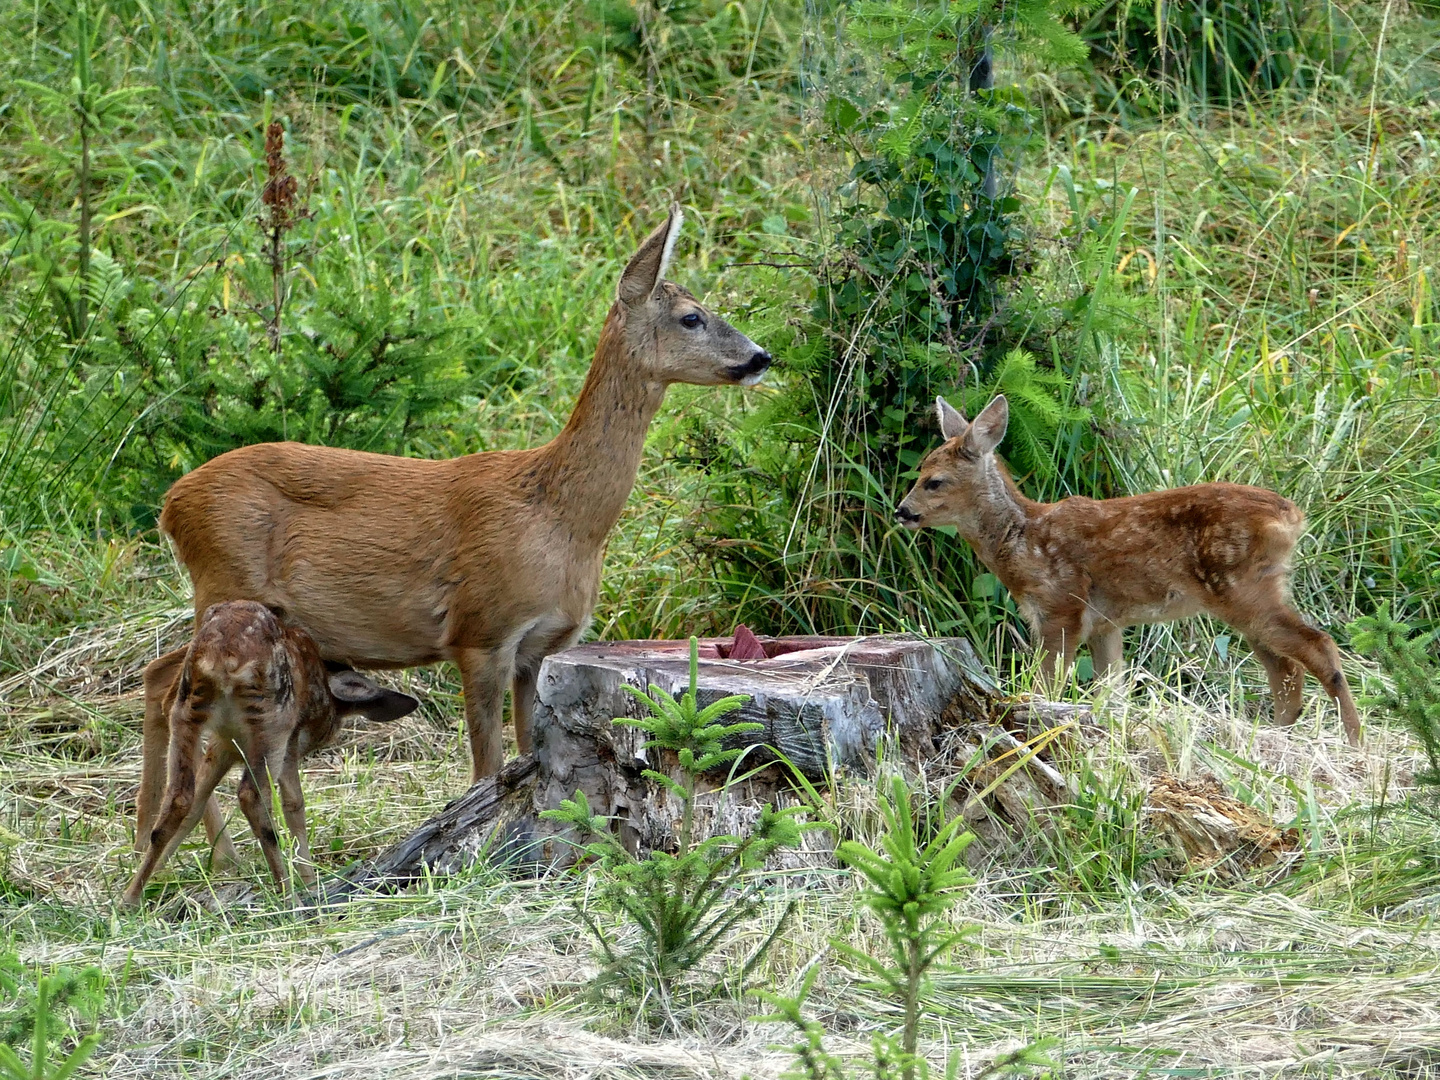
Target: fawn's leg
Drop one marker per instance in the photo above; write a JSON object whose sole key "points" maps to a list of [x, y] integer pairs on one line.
{"points": [[484, 674], [159, 682], [255, 805], [160, 677], [1059, 638], [1284, 632], [1106, 648], [292, 802], [185, 801], [1286, 677]]}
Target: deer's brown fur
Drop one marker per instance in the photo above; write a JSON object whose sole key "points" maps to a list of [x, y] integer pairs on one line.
{"points": [[491, 560], [252, 690], [1084, 569]]}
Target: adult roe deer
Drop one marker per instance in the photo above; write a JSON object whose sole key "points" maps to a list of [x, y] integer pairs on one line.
{"points": [[491, 560], [252, 690], [1084, 569]]}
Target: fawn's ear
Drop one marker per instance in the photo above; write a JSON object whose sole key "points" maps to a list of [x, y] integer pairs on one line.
{"points": [[353, 693], [989, 427], [646, 268], [952, 423]]}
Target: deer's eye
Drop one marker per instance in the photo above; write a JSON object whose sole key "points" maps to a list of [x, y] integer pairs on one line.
{"points": [[932, 484], [691, 321]]}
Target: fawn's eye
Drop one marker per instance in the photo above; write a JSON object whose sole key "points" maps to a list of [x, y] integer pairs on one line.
{"points": [[691, 321], [932, 484]]}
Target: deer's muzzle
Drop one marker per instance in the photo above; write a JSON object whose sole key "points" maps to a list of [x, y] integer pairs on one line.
{"points": [[749, 373], [907, 517]]}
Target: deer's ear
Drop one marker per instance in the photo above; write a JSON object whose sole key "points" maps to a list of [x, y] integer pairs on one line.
{"points": [[952, 423], [354, 693], [646, 269], [989, 427]]}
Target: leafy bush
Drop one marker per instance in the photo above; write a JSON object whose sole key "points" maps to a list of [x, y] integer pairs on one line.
{"points": [[914, 298]]}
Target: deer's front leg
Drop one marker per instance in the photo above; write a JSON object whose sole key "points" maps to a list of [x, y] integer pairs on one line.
{"points": [[485, 673], [522, 706], [1106, 648], [556, 634], [1059, 638]]}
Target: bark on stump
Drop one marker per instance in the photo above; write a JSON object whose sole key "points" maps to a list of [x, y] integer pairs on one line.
{"points": [[824, 703]]}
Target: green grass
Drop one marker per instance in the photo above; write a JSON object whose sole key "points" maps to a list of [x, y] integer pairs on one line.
{"points": [[489, 168]]}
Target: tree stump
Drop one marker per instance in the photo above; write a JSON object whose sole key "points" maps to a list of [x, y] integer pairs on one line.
{"points": [[824, 702]]}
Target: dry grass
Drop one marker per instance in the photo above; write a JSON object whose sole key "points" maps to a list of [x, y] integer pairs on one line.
{"points": [[486, 976]]}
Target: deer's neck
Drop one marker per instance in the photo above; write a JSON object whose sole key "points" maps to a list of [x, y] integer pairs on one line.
{"points": [[590, 467], [997, 531]]}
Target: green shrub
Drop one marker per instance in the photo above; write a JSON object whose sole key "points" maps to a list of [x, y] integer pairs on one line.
{"points": [[914, 297], [1414, 696]]}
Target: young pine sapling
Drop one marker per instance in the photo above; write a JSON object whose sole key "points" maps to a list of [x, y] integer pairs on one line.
{"points": [[1415, 699], [909, 887], [682, 904]]}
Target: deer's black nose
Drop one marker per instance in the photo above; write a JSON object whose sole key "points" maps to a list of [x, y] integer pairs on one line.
{"points": [[905, 515], [751, 370]]}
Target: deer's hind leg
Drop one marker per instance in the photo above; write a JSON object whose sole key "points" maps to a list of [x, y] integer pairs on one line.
{"points": [[161, 675], [1270, 623], [1285, 676], [185, 800], [255, 804]]}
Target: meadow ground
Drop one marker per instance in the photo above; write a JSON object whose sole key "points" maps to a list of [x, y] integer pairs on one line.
{"points": [[1317, 967], [1263, 314]]}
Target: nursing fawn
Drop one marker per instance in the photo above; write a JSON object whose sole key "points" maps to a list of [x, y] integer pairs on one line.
{"points": [[252, 690], [1084, 569]]}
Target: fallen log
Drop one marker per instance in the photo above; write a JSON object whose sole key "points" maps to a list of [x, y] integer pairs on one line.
{"points": [[495, 818]]}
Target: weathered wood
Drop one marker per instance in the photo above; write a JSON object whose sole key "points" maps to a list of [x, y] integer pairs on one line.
{"points": [[1207, 828], [822, 703], [496, 816]]}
